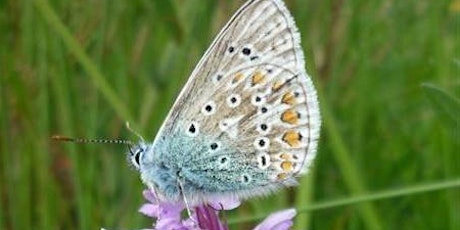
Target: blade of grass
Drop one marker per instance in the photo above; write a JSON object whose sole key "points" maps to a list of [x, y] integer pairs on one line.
{"points": [[349, 171], [65, 119], [94, 73], [167, 13], [445, 103], [386, 194], [42, 160], [304, 197]]}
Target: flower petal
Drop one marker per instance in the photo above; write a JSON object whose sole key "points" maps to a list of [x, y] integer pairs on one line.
{"points": [[224, 203], [279, 220], [171, 210], [150, 196], [191, 223], [150, 210], [208, 218], [169, 223], [284, 225]]}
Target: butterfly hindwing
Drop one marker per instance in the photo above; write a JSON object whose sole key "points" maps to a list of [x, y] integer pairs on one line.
{"points": [[247, 121]]}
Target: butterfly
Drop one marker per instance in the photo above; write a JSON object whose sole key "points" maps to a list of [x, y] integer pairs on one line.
{"points": [[247, 121]]}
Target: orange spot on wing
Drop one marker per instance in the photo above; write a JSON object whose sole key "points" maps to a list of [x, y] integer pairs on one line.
{"points": [[288, 98], [282, 176], [277, 85], [292, 138], [290, 116], [285, 156], [257, 78], [237, 77], [287, 166]]}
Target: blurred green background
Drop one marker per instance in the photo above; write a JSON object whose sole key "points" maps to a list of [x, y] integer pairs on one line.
{"points": [[83, 68]]}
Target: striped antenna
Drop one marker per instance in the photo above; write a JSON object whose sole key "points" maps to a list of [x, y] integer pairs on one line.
{"points": [[84, 140]]}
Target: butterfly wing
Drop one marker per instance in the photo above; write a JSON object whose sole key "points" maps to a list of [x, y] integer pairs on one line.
{"points": [[249, 109]]}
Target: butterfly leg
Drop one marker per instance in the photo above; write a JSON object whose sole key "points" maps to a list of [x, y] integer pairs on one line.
{"points": [[154, 191], [187, 206]]}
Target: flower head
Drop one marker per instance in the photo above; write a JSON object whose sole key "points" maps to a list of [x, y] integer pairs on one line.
{"points": [[168, 214]]}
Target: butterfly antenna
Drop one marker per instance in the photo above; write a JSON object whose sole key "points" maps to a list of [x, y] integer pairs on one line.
{"points": [[135, 133], [98, 141]]}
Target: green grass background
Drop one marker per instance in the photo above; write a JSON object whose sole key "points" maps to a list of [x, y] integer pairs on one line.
{"points": [[387, 73]]}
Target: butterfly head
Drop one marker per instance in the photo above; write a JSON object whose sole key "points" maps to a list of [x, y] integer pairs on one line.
{"points": [[136, 153]]}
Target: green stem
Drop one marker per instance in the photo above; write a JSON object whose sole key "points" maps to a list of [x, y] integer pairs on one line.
{"points": [[386, 194]]}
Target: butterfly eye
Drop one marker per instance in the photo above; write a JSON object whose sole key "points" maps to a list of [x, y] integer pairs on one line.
{"points": [[137, 158]]}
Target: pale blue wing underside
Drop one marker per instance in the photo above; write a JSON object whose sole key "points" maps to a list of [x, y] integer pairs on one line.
{"points": [[247, 121]]}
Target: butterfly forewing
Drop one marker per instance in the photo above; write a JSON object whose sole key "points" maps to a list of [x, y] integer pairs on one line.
{"points": [[250, 105]]}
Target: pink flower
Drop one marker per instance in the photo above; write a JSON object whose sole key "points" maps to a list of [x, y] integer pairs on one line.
{"points": [[168, 215], [280, 220]]}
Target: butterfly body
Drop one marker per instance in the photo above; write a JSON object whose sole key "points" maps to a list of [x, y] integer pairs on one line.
{"points": [[201, 172], [246, 122]]}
